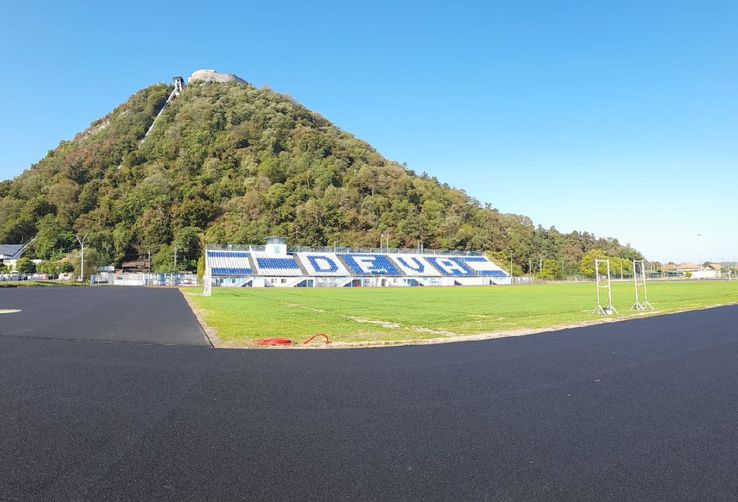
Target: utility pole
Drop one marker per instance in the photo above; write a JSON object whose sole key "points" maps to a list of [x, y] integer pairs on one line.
{"points": [[699, 256], [175, 259], [149, 260], [511, 265], [82, 257]]}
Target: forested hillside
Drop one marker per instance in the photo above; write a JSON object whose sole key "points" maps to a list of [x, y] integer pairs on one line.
{"points": [[230, 163]]}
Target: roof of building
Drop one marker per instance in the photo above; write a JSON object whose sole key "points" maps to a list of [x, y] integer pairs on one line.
{"points": [[688, 266], [11, 251]]}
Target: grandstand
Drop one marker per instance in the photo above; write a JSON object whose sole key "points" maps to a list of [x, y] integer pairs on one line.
{"points": [[272, 265]]}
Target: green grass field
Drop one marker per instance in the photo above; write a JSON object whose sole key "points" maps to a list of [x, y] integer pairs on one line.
{"points": [[394, 315]]}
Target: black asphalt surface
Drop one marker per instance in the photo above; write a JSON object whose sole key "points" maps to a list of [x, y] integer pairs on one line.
{"points": [[640, 410], [110, 314]]}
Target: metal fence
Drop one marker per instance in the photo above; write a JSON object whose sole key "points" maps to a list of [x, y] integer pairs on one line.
{"points": [[144, 279], [344, 250]]}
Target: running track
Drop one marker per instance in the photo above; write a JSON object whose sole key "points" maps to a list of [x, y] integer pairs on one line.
{"points": [[104, 405]]}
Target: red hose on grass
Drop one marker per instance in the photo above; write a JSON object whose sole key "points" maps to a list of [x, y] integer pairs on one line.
{"points": [[277, 342], [326, 341]]}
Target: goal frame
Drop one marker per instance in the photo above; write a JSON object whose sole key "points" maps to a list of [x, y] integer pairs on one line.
{"points": [[603, 283]]}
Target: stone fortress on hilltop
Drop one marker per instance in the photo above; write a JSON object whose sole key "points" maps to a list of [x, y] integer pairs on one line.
{"points": [[210, 76]]}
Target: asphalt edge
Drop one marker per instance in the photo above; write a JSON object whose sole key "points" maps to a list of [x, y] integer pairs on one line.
{"points": [[207, 332]]}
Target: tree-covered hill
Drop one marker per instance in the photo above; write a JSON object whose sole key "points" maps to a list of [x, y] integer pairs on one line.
{"points": [[227, 162]]}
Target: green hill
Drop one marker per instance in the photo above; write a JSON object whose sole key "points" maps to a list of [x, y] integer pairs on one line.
{"points": [[226, 162]]}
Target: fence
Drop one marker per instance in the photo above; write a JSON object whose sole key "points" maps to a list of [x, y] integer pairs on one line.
{"points": [[144, 279], [344, 250]]}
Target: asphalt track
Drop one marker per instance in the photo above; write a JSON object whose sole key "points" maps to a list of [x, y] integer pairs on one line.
{"points": [[108, 314], [640, 410]]}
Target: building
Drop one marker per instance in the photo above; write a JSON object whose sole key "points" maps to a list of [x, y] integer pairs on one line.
{"points": [[11, 253], [272, 265], [696, 271]]}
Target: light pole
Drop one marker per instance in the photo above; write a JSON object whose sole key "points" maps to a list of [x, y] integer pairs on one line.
{"points": [[509, 252], [699, 256], [82, 257]]}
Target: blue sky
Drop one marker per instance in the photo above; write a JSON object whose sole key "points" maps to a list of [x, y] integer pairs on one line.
{"points": [[615, 117]]}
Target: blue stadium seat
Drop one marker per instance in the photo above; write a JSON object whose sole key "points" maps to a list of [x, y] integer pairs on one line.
{"points": [[450, 266], [229, 263], [277, 266], [481, 266], [370, 265], [322, 264]]}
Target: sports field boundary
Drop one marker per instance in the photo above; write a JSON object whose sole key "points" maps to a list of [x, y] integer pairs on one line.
{"points": [[209, 333]]}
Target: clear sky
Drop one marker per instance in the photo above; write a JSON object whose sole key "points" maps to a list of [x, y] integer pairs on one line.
{"points": [[617, 117]]}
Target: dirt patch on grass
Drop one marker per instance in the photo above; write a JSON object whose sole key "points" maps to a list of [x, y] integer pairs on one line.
{"points": [[304, 307], [384, 324], [442, 332]]}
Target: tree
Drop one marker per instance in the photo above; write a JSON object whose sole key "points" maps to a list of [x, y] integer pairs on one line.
{"points": [[49, 268], [587, 265], [200, 269], [551, 270], [52, 238], [187, 242], [25, 266], [163, 260], [93, 260]]}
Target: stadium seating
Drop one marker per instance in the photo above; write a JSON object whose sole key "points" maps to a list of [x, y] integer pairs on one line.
{"points": [[414, 265], [451, 266], [370, 265], [229, 262], [482, 266], [281, 266], [322, 264], [335, 266]]}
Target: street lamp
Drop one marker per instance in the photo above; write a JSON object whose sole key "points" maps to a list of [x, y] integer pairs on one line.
{"points": [[82, 257]]}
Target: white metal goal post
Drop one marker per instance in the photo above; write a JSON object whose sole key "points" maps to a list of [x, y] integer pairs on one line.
{"points": [[603, 284], [207, 278], [639, 284]]}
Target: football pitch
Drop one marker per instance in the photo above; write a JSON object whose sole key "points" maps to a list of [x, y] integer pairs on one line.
{"points": [[380, 316]]}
